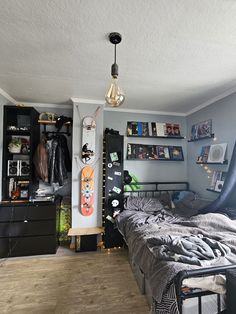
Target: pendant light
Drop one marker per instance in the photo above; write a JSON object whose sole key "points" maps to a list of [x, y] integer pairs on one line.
{"points": [[114, 96]]}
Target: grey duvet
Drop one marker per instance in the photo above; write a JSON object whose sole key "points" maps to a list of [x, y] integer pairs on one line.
{"points": [[212, 238]]}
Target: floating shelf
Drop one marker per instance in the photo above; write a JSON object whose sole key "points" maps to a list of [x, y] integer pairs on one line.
{"points": [[225, 162], [18, 132], [165, 137], [46, 122], [136, 159], [211, 190], [50, 122], [201, 138]]}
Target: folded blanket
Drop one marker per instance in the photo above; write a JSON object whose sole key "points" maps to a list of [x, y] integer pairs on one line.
{"points": [[187, 249]]}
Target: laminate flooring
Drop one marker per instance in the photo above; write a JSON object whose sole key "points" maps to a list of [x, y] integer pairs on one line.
{"points": [[85, 283]]}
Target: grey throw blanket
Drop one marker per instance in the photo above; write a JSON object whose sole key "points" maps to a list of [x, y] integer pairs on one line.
{"points": [[186, 249], [160, 273]]}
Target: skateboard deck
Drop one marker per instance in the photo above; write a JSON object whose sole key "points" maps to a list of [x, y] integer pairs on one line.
{"points": [[88, 140], [87, 191]]}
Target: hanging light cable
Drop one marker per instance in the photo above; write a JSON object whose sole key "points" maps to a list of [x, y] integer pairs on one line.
{"points": [[114, 96]]}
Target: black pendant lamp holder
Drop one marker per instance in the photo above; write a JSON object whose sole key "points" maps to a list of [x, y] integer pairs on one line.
{"points": [[115, 39]]}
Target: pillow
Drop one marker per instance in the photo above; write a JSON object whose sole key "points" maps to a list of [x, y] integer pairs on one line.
{"points": [[166, 200], [185, 196], [145, 204], [188, 208]]}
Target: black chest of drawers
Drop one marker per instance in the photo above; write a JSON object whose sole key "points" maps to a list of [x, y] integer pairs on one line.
{"points": [[28, 228]]}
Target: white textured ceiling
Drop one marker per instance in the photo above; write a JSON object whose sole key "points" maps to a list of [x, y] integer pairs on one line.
{"points": [[175, 54]]}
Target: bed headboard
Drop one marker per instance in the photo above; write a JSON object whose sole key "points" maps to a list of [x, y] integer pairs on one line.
{"points": [[151, 189]]}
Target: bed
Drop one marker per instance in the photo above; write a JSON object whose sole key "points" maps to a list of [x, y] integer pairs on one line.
{"points": [[176, 255]]}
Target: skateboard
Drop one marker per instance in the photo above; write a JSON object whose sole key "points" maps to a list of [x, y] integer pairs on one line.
{"points": [[88, 140], [87, 190]]}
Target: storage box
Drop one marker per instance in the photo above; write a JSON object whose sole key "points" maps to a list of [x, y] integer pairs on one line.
{"points": [[85, 243]]}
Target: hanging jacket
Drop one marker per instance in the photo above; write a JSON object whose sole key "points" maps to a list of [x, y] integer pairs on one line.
{"points": [[59, 160], [40, 161]]}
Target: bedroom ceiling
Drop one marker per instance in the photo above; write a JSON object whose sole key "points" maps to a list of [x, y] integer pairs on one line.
{"points": [[175, 54]]}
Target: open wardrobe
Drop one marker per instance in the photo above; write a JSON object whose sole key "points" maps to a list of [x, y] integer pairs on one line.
{"points": [[36, 180]]}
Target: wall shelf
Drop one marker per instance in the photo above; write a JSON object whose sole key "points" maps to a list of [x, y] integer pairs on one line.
{"points": [[201, 138], [165, 137], [18, 132], [136, 159], [211, 190], [225, 162], [46, 122], [50, 122]]}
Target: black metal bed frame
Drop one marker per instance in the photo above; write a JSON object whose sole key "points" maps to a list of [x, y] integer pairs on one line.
{"points": [[153, 189]]}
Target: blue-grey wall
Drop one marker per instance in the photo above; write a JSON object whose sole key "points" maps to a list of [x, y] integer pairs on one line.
{"points": [[3, 101], [81, 110], [223, 115], [152, 170]]}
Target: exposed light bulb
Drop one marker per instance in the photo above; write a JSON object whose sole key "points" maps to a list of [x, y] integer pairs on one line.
{"points": [[114, 96]]}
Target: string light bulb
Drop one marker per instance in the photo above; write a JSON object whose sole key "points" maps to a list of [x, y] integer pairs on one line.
{"points": [[114, 96]]}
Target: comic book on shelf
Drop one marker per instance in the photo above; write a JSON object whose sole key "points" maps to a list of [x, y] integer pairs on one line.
{"points": [[176, 153], [217, 153], [145, 129], [154, 129], [217, 180], [172, 129], [203, 157], [201, 130], [160, 128], [137, 128], [131, 154], [163, 152]]}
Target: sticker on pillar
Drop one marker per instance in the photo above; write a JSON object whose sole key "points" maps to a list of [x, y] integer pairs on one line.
{"points": [[115, 163], [117, 173], [109, 165], [114, 156], [115, 203], [87, 191], [116, 213], [108, 217], [116, 189]]}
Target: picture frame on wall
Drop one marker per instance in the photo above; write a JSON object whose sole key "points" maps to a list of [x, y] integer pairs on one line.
{"points": [[201, 130]]}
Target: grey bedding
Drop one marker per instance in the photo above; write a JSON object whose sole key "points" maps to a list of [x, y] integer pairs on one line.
{"points": [[192, 249], [141, 228]]}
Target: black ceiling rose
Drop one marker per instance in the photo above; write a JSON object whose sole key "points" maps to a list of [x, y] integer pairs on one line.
{"points": [[115, 38]]}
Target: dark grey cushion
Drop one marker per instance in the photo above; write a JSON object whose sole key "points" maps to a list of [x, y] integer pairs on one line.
{"points": [[144, 204]]}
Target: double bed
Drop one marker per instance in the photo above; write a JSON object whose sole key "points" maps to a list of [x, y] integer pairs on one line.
{"points": [[178, 257]]}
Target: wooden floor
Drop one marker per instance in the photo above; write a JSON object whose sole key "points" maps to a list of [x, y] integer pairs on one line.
{"points": [[86, 283]]}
